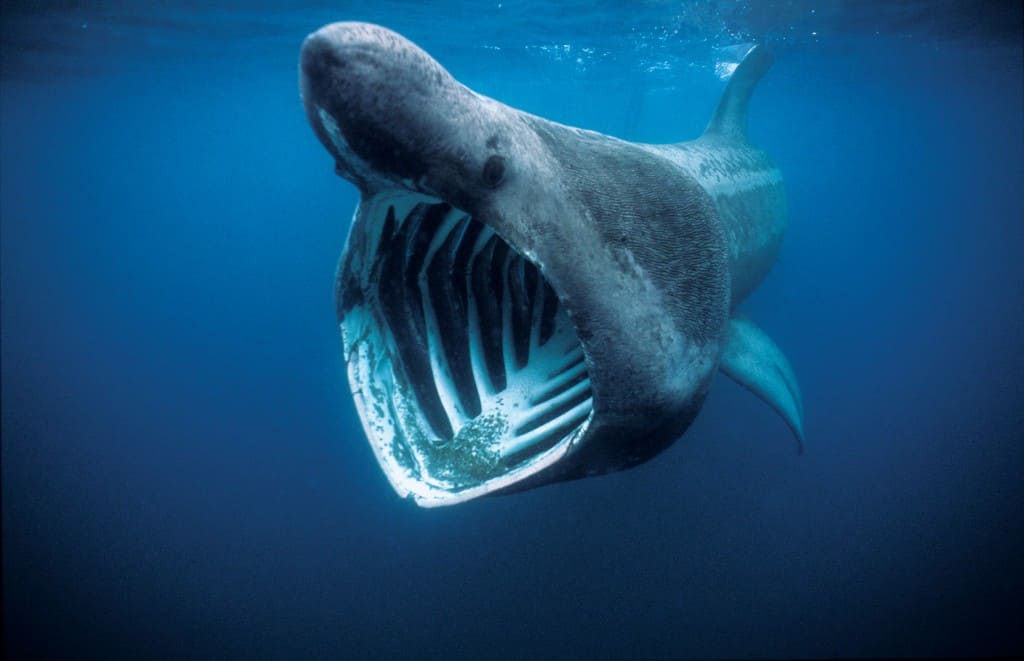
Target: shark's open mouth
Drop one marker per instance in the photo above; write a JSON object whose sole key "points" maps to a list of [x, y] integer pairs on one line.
{"points": [[466, 369]]}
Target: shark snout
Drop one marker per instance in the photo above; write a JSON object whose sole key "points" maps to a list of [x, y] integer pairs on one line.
{"points": [[336, 73], [373, 98]]}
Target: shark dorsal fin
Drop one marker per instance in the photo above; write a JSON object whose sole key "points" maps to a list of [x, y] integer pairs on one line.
{"points": [[730, 119]]}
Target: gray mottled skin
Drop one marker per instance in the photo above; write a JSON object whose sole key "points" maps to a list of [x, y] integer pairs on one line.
{"points": [[649, 247]]}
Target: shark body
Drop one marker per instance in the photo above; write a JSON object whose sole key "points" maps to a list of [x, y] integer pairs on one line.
{"points": [[522, 302]]}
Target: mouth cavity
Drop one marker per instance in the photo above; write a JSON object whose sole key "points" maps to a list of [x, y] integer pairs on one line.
{"points": [[466, 369]]}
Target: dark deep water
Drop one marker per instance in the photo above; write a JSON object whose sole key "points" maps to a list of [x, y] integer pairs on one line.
{"points": [[183, 471]]}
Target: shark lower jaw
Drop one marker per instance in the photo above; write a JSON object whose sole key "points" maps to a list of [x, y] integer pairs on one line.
{"points": [[467, 373]]}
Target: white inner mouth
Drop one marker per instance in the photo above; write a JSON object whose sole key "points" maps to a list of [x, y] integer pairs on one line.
{"points": [[466, 369]]}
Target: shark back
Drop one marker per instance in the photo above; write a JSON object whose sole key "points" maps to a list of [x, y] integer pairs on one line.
{"points": [[744, 184]]}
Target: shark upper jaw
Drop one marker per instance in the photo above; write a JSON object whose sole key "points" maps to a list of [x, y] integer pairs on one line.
{"points": [[467, 371]]}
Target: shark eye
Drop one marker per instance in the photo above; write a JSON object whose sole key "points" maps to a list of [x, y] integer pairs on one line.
{"points": [[494, 171]]}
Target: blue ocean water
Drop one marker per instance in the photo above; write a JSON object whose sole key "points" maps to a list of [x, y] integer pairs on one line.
{"points": [[183, 470]]}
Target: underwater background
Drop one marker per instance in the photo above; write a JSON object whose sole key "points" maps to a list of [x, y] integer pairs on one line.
{"points": [[183, 470]]}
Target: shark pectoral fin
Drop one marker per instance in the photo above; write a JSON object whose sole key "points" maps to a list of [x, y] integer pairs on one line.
{"points": [[754, 361]]}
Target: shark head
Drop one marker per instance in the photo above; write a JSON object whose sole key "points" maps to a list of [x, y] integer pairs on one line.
{"points": [[520, 302], [392, 117]]}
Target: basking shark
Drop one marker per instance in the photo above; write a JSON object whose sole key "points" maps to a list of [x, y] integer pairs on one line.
{"points": [[522, 302]]}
